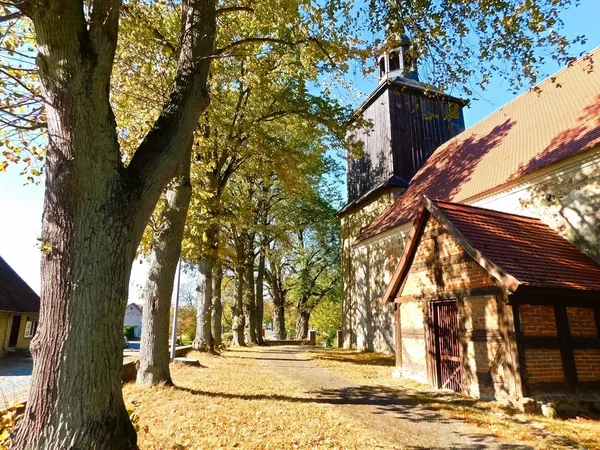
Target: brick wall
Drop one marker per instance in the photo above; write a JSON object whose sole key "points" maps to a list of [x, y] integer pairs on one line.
{"points": [[537, 320], [582, 322], [440, 265], [588, 364], [544, 365]]}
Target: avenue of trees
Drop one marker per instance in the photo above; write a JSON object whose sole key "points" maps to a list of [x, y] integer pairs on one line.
{"points": [[203, 130]]}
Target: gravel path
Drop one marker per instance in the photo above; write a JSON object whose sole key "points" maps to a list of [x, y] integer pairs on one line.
{"points": [[396, 419]]}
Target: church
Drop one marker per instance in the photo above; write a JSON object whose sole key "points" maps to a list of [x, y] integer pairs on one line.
{"points": [[473, 254]]}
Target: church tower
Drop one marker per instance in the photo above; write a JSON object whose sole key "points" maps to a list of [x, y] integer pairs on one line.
{"points": [[408, 121]]}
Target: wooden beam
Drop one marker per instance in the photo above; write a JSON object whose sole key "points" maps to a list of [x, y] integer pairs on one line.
{"points": [[398, 328], [520, 350], [597, 318], [566, 347], [546, 296], [457, 293], [397, 282]]}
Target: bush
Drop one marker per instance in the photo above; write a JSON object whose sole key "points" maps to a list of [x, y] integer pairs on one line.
{"points": [[227, 337], [186, 340], [129, 332]]}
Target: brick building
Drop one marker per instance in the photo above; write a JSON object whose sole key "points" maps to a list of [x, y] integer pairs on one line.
{"points": [[538, 157], [495, 305]]}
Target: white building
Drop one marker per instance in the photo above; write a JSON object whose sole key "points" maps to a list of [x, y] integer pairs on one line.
{"points": [[133, 318]]}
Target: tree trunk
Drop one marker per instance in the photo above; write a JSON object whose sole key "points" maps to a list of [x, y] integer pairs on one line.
{"points": [[95, 211], [237, 311], [249, 298], [203, 339], [217, 311], [279, 321], [166, 249], [260, 301], [302, 324]]}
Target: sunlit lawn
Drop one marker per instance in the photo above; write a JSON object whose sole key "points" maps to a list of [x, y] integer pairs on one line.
{"points": [[535, 430], [233, 402]]}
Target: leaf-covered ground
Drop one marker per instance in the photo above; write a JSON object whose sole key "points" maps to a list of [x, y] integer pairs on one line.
{"points": [[579, 431], [232, 402]]}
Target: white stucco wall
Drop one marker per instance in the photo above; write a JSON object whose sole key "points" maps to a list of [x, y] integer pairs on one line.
{"points": [[133, 318]]}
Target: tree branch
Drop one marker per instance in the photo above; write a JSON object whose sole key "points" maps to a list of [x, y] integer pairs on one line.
{"points": [[257, 40], [161, 151], [11, 16], [222, 11]]}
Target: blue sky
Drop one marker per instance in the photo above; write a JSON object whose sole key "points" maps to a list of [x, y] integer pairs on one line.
{"points": [[21, 203]]}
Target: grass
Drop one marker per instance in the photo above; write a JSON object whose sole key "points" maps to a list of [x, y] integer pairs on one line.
{"points": [[375, 369], [231, 402]]}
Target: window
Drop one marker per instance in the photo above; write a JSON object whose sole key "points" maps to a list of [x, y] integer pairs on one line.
{"points": [[31, 328], [394, 61], [381, 67]]}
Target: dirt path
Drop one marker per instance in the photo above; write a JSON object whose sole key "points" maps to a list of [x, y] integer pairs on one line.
{"points": [[398, 420]]}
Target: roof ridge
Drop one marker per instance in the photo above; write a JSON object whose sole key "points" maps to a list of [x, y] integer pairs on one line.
{"points": [[17, 276], [492, 212]]}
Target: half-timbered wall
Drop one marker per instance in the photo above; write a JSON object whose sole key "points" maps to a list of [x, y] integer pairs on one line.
{"points": [[559, 343]]}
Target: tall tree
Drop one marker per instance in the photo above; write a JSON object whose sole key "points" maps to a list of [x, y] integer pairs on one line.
{"points": [[166, 249], [95, 211], [98, 201]]}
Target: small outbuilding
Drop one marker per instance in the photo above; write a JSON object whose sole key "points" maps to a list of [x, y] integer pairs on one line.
{"points": [[19, 311], [495, 305], [133, 318]]}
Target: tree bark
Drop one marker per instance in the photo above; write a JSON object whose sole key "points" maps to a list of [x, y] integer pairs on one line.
{"points": [[279, 321], [237, 310], [217, 310], [95, 211], [302, 324], [166, 250], [260, 300], [203, 340], [249, 298]]}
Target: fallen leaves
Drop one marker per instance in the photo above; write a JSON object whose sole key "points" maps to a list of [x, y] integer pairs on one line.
{"points": [[234, 403]]}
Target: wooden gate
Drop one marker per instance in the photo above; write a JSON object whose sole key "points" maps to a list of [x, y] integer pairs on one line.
{"points": [[447, 344]]}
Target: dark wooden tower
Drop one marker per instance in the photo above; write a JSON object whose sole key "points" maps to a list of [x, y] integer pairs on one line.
{"points": [[410, 119]]}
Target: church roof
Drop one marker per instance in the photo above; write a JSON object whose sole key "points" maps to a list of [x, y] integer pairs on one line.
{"points": [[15, 294], [557, 119], [516, 250]]}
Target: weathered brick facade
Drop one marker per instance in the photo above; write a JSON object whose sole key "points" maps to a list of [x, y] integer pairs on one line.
{"points": [[554, 350], [588, 364], [582, 322], [544, 365], [440, 265], [441, 268], [537, 320]]}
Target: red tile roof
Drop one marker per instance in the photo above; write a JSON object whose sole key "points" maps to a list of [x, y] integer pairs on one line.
{"points": [[15, 294], [557, 119], [516, 250], [524, 248]]}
